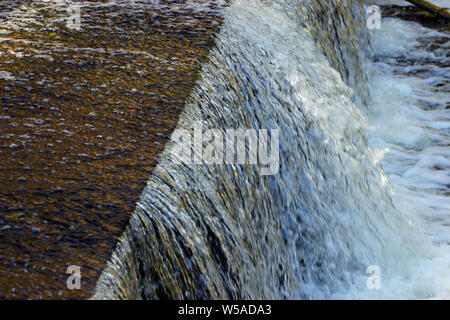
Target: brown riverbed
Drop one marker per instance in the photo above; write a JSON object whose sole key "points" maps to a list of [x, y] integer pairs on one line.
{"points": [[83, 116]]}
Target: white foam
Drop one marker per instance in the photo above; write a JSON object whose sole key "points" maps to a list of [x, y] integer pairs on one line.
{"points": [[418, 160]]}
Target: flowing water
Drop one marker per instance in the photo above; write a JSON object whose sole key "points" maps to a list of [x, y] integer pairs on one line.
{"points": [[83, 116], [364, 170], [339, 202], [409, 82]]}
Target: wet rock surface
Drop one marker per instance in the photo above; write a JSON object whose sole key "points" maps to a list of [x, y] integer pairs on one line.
{"points": [[83, 116]]}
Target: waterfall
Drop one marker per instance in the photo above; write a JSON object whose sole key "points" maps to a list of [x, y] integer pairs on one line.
{"points": [[311, 230]]}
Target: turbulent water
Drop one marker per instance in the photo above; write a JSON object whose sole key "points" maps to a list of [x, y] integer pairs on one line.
{"points": [[313, 229], [409, 82]]}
